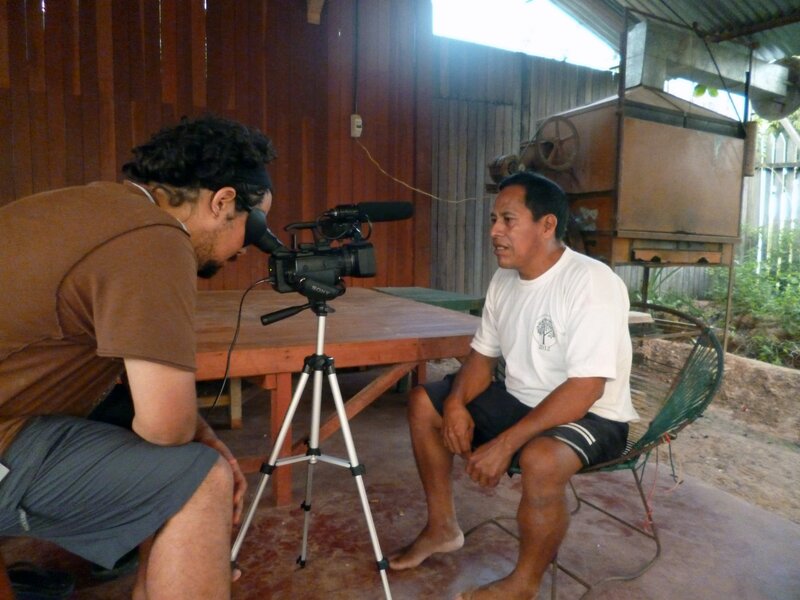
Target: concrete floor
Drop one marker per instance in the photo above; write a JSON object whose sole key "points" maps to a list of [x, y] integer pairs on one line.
{"points": [[715, 546]]}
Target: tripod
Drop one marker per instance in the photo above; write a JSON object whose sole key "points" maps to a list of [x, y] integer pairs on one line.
{"points": [[316, 363]]}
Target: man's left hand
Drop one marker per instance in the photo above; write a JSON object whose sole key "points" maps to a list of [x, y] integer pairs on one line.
{"points": [[488, 462]]}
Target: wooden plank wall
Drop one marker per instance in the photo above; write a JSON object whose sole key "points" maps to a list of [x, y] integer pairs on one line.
{"points": [[83, 81], [487, 102]]}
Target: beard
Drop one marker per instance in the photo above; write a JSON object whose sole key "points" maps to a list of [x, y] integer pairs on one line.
{"points": [[208, 269]]}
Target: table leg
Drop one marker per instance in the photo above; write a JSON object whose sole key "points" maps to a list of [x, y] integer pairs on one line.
{"points": [[421, 374], [236, 403], [280, 398]]}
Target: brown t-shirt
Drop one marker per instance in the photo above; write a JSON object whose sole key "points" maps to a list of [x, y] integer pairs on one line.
{"points": [[89, 275]]}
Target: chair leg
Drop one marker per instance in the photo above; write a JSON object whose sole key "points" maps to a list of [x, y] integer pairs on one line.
{"points": [[580, 500], [235, 391], [496, 521], [577, 498], [554, 566], [652, 534]]}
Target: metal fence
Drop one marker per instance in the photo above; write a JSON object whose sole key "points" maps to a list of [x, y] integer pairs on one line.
{"points": [[776, 190]]}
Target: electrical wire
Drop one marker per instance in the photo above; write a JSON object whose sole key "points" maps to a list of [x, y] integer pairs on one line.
{"points": [[412, 188], [356, 40], [233, 341]]}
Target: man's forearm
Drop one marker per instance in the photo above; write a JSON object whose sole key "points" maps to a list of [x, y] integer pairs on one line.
{"points": [[474, 376]]}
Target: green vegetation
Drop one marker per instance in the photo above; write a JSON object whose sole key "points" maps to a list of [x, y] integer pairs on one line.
{"points": [[765, 316], [701, 90], [765, 322]]}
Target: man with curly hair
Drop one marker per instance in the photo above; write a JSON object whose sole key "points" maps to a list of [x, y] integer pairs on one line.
{"points": [[99, 286]]}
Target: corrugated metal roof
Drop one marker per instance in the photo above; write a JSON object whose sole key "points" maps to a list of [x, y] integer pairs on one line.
{"points": [[742, 20]]}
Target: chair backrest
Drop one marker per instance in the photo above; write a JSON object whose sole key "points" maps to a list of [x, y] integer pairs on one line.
{"points": [[677, 368]]}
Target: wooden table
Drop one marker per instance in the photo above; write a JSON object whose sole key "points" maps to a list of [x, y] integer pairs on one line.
{"points": [[367, 328]]}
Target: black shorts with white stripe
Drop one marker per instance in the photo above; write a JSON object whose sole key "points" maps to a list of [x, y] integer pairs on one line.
{"points": [[593, 438]]}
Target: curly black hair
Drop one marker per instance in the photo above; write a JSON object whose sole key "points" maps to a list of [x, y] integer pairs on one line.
{"points": [[207, 152]]}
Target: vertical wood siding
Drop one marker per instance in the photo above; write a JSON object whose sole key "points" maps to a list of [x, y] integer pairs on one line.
{"points": [[83, 81], [486, 103]]}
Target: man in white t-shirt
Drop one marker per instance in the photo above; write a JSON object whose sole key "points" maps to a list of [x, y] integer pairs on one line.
{"points": [[559, 320]]}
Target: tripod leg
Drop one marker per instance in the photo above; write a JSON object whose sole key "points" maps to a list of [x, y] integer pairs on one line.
{"points": [[357, 470], [268, 467], [313, 453]]}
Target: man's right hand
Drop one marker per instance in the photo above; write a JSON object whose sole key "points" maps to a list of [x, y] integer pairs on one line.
{"points": [[457, 428]]}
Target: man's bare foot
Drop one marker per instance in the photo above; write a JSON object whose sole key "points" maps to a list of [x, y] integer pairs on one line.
{"points": [[424, 546], [502, 589]]}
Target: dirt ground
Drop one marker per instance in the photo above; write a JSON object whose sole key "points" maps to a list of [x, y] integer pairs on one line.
{"points": [[748, 442]]}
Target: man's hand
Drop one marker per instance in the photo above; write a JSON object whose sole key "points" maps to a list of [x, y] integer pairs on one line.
{"points": [[457, 428], [205, 435], [488, 462]]}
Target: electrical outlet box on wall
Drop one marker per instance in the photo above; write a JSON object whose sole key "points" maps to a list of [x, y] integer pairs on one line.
{"points": [[356, 125]]}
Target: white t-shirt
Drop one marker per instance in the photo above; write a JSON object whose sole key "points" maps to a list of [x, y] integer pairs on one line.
{"points": [[571, 321]]}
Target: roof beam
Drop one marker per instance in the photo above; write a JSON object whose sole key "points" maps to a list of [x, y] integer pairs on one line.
{"points": [[723, 36]]}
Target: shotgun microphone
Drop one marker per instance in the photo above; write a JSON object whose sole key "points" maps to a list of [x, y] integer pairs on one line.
{"points": [[373, 212]]}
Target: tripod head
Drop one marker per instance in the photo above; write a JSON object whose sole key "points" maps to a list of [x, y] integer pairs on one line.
{"points": [[315, 290], [318, 307]]}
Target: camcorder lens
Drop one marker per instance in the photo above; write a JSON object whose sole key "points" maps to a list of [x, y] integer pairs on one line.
{"points": [[326, 265]]}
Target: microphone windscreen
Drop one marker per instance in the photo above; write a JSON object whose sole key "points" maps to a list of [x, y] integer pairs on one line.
{"points": [[385, 211]]}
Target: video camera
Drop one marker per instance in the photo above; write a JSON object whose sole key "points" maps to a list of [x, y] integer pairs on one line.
{"points": [[316, 269]]}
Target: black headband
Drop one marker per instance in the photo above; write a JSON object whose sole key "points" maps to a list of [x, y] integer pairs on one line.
{"points": [[257, 176]]}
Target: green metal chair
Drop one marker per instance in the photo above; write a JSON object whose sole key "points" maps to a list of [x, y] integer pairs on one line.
{"points": [[677, 368]]}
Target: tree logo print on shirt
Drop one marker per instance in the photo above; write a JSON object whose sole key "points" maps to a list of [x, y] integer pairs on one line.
{"points": [[545, 333]]}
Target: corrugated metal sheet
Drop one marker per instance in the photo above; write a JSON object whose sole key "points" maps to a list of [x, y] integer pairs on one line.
{"points": [[606, 18]]}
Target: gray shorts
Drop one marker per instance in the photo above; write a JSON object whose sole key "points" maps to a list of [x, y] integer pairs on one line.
{"points": [[593, 438], [95, 489]]}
